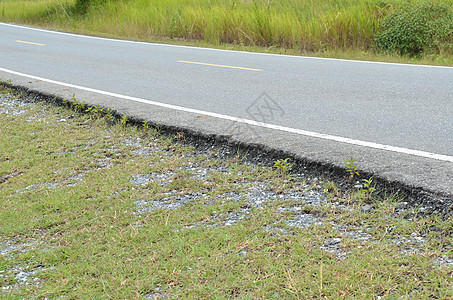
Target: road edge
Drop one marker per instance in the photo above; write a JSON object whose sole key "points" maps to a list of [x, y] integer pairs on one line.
{"points": [[426, 200]]}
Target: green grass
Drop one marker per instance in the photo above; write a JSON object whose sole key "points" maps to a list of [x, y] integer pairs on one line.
{"points": [[341, 28], [67, 204]]}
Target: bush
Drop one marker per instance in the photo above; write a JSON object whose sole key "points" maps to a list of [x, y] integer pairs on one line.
{"points": [[82, 6], [417, 28]]}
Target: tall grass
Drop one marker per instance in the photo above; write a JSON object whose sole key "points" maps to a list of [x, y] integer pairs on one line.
{"points": [[305, 25]]}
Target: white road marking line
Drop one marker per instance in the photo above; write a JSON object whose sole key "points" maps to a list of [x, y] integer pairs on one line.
{"points": [[340, 139], [221, 50]]}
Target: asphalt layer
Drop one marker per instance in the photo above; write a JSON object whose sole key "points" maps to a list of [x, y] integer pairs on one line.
{"points": [[395, 105]]}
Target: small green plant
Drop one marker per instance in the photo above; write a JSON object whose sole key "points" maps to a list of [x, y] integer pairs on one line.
{"points": [[331, 189], [145, 125], [108, 116], [93, 111], [77, 105], [369, 188], [7, 87], [283, 166], [124, 120], [159, 129], [351, 169], [181, 136], [20, 94], [73, 98], [239, 154]]}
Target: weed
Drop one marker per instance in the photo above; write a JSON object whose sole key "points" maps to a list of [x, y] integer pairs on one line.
{"points": [[73, 98], [7, 87], [79, 106], [240, 156], [159, 129], [331, 189], [76, 105], [351, 169], [370, 188], [109, 118], [145, 125], [123, 121], [181, 136], [93, 111], [283, 166]]}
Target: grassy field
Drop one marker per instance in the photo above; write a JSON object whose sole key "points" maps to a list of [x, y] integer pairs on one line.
{"points": [[340, 28], [92, 208]]}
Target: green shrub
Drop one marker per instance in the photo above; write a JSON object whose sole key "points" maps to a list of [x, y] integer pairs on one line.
{"points": [[82, 6], [417, 28]]}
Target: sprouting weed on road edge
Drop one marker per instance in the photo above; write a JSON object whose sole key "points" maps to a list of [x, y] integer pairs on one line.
{"points": [[93, 111], [77, 105], [123, 121], [331, 189], [181, 136], [283, 166], [109, 116], [369, 189], [7, 87], [351, 169], [240, 157], [145, 125]]}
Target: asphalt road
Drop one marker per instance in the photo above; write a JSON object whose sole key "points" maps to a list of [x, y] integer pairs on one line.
{"points": [[385, 114]]}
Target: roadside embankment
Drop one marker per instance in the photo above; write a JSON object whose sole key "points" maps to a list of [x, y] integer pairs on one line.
{"points": [[93, 206]]}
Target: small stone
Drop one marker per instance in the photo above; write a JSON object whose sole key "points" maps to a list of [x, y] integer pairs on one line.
{"points": [[140, 180], [366, 208], [401, 205], [333, 241]]}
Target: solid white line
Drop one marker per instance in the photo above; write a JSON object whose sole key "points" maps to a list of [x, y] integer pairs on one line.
{"points": [[246, 121], [220, 50]]}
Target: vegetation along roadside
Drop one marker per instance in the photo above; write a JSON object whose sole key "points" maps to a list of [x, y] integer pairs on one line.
{"points": [[409, 31], [93, 207]]}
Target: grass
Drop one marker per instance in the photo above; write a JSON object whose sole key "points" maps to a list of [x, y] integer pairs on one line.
{"points": [[70, 221], [340, 29]]}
